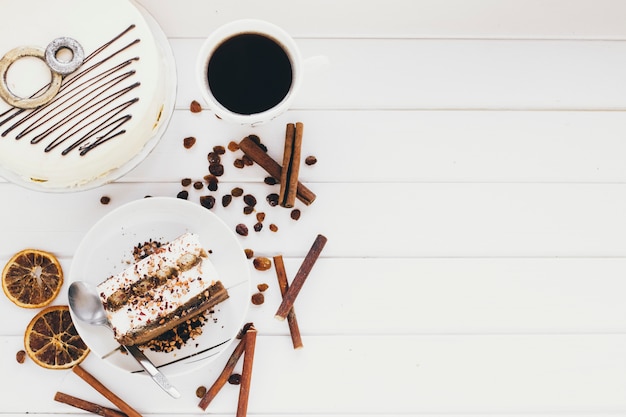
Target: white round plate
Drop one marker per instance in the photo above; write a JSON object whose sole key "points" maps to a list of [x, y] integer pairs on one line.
{"points": [[107, 250]]}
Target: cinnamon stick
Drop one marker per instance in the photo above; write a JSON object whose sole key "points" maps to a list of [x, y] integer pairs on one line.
{"points": [[291, 164], [223, 377], [246, 373], [87, 406], [91, 380], [272, 167], [294, 329], [301, 276]]}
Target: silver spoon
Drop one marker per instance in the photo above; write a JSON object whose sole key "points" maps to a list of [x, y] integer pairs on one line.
{"points": [[87, 306]]}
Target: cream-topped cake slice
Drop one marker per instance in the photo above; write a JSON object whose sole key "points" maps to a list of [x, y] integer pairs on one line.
{"points": [[106, 111], [161, 291]]}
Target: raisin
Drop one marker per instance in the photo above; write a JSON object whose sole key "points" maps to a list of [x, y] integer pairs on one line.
{"points": [[183, 195], [249, 253], [273, 227], [310, 160], [248, 210], [20, 356], [262, 263], [262, 287], [234, 379], [272, 199], [260, 216], [195, 107], [238, 163], [213, 158], [200, 391], [249, 199], [188, 142], [105, 200], [216, 169], [258, 299], [219, 149], [207, 201], [198, 185], [258, 226], [247, 160], [233, 146], [212, 181], [226, 199], [241, 229], [270, 181], [185, 182], [295, 214], [237, 192]]}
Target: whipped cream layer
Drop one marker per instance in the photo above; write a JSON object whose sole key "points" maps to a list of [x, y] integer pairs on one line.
{"points": [[105, 112], [181, 270]]}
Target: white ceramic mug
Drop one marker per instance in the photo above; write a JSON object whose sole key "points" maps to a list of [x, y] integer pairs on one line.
{"points": [[248, 27]]}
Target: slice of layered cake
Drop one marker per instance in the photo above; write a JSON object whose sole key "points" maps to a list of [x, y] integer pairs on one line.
{"points": [[161, 291]]}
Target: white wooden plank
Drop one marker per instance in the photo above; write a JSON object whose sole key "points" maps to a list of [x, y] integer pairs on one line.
{"points": [[419, 219], [407, 146], [452, 296], [409, 374], [588, 19], [447, 74], [432, 296]]}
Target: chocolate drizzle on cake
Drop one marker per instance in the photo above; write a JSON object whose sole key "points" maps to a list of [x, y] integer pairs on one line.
{"points": [[91, 107]]}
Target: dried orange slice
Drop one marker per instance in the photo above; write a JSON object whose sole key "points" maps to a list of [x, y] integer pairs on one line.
{"points": [[32, 278], [51, 340]]}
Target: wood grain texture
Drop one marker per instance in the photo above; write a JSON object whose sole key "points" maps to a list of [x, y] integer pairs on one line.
{"points": [[471, 183]]}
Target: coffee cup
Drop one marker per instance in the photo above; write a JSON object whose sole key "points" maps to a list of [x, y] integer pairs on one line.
{"points": [[249, 71]]}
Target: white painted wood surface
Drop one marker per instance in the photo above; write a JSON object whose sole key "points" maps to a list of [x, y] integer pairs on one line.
{"points": [[472, 187]]}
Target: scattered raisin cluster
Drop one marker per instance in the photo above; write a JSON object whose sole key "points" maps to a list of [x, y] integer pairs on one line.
{"points": [[211, 181]]}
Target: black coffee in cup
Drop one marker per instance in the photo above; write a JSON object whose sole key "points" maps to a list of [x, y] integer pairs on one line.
{"points": [[249, 73]]}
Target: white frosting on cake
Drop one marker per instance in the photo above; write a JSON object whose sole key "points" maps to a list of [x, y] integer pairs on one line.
{"points": [[106, 111], [139, 311]]}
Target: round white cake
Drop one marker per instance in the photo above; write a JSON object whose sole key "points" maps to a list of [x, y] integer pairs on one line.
{"points": [[107, 114]]}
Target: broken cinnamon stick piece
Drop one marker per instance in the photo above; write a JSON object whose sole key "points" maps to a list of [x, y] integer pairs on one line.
{"points": [[291, 165], [272, 167], [294, 329], [98, 386], [246, 373], [301, 276], [223, 377], [87, 406]]}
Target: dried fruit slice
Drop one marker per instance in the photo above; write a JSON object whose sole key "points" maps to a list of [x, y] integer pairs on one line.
{"points": [[51, 340], [32, 278]]}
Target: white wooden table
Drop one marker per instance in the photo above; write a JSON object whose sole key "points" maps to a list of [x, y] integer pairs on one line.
{"points": [[472, 185]]}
